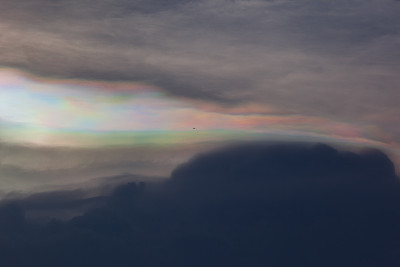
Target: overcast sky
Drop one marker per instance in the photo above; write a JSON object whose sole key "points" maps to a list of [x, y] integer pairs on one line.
{"points": [[200, 133], [127, 73]]}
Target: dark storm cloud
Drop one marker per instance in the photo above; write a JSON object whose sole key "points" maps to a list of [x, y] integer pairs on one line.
{"points": [[296, 169], [248, 205]]}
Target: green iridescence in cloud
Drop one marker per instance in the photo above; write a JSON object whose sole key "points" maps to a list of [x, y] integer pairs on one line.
{"points": [[90, 113]]}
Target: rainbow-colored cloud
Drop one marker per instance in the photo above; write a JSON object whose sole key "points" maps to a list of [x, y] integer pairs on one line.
{"points": [[88, 113]]}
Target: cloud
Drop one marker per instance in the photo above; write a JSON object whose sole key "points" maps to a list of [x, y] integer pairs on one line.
{"points": [[286, 169], [30, 169], [332, 59], [252, 204]]}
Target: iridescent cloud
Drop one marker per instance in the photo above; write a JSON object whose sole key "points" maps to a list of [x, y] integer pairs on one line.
{"points": [[91, 113]]}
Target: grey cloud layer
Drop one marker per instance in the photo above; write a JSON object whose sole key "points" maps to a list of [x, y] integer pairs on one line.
{"points": [[27, 169], [336, 58]]}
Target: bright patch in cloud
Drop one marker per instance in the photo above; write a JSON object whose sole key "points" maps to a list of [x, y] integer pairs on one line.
{"points": [[58, 112]]}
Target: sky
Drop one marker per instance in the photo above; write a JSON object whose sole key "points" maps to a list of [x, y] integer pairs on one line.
{"points": [[97, 94]]}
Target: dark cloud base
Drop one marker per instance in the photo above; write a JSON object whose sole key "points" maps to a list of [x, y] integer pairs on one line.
{"points": [[250, 205]]}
